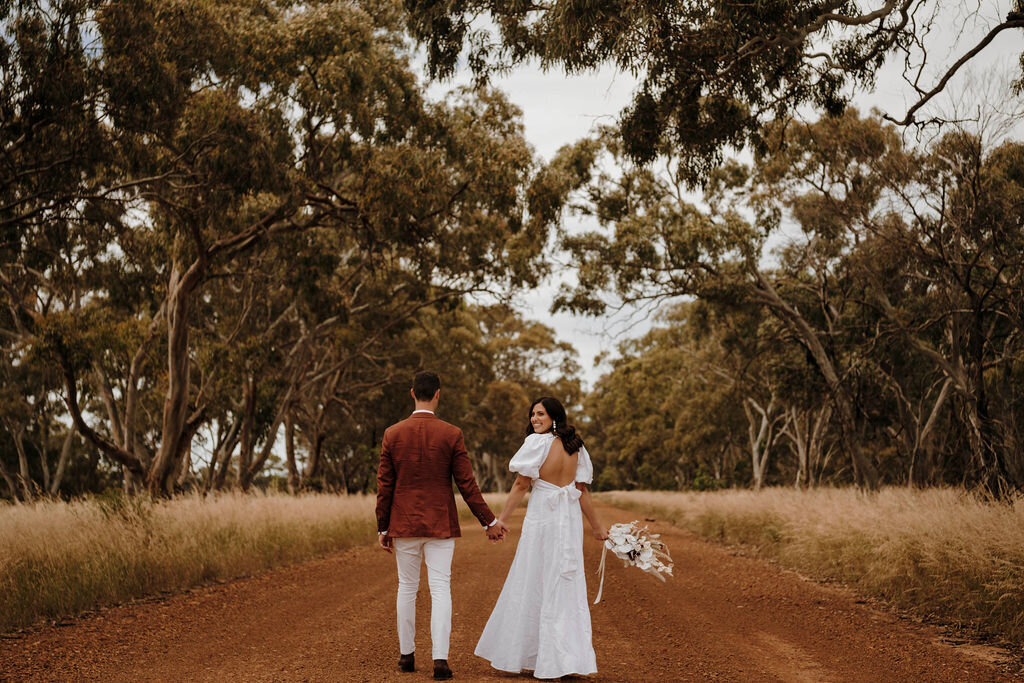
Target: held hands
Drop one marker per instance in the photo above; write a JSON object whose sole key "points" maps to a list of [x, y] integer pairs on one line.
{"points": [[496, 532]]}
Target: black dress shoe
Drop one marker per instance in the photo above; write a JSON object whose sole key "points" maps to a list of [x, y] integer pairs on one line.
{"points": [[441, 670], [407, 663]]}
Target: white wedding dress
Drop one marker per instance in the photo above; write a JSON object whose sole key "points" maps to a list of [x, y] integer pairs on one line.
{"points": [[541, 621]]}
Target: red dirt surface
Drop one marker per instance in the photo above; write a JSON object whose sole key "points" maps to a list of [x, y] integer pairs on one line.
{"points": [[722, 617]]}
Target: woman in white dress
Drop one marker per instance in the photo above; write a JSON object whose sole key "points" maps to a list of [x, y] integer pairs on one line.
{"points": [[541, 622]]}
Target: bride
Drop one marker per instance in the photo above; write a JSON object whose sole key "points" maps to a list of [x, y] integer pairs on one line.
{"points": [[541, 622]]}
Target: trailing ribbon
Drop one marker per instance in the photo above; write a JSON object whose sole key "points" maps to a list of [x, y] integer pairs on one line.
{"points": [[562, 498], [600, 570]]}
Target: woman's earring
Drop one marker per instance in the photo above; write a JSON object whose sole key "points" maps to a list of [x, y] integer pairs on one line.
{"points": [[554, 425]]}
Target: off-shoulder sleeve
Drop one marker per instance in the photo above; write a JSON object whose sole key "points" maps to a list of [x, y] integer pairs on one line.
{"points": [[584, 468], [531, 455]]}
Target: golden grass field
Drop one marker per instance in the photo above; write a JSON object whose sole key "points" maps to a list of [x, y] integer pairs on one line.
{"points": [[495, 501], [939, 553], [57, 559]]}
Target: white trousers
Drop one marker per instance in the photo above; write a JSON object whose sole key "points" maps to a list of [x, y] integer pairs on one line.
{"points": [[437, 552]]}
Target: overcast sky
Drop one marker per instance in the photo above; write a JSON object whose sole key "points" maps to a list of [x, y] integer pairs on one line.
{"points": [[558, 110]]}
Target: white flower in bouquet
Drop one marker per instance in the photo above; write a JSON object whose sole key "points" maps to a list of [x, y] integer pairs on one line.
{"points": [[636, 546]]}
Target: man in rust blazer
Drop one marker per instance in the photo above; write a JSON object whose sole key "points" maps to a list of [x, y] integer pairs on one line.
{"points": [[416, 515]]}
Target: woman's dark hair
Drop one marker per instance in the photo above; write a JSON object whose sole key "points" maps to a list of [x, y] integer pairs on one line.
{"points": [[563, 430]]}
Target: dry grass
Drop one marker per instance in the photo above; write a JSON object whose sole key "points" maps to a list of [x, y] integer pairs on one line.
{"points": [[496, 501], [57, 559], [940, 552]]}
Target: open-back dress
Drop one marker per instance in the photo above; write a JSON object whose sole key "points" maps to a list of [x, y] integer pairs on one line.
{"points": [[541, 622]]}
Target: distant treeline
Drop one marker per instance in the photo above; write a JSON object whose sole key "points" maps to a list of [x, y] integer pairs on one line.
{"points": [[881, 341], [225, 224], [856, 314]]}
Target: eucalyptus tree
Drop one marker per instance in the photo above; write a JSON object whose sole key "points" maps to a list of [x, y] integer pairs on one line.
{"points": [[716, 387], [492, 364], [42, 444], [469, 181], [54, 150], [200, 93], [632, 423], [748, 349], [227, 143], [959, 226], [53, 156], [499, 364], [898, 274], [711, 73], [657, 242], [667, 415], [933, 255], [856, 201]]}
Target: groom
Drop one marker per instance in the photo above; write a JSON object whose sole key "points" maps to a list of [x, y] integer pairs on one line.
{"points": [[416, 515]]}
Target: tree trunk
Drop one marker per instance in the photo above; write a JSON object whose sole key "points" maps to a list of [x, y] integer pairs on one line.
{"points": [[761, 437], [184, 467], [248, 437], [131, 398], [180, 290], [111, 449], [923, 442], [62, 462], [344, 472], [755, 437], [24, 479], [44, 448], [797, 428], [220, 463], [289, 449], [865, 473], [816, 445], [107, 394], [316, 442], [994, 472], [12, 486], [249, 474]]}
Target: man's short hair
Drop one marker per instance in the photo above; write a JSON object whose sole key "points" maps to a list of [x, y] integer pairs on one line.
{"points": [[425, 385]]}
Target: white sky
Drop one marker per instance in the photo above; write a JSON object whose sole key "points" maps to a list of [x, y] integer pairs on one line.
{"points": [[558, 110]]}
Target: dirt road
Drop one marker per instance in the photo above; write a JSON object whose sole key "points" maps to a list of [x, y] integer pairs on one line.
{"points": [[722, 617]]}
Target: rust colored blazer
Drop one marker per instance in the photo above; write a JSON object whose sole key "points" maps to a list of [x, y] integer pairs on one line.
{"points": [[419, 457]]}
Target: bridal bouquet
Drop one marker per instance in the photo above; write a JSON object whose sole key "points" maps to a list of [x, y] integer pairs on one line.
{"points": [[636, 547]]}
